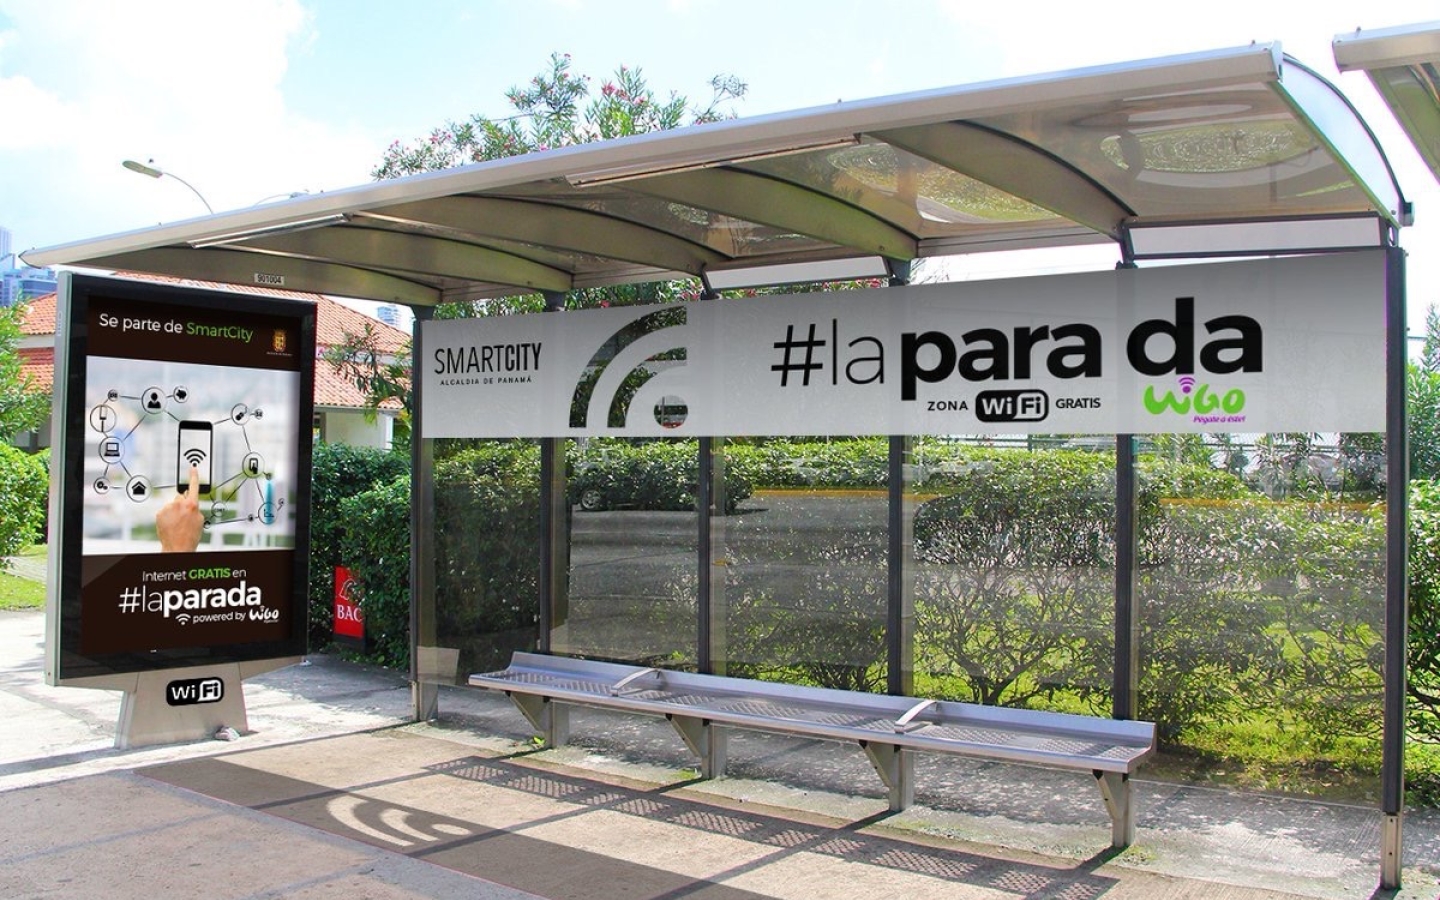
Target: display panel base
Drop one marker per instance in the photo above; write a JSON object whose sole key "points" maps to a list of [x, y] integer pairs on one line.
{"points": [[150, 715]]}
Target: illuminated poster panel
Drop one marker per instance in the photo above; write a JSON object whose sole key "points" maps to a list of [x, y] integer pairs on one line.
{"points": [[181, 479], [1266, 345]]}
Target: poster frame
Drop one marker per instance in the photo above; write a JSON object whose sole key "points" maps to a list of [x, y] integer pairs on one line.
{"points": [[66, 664]]}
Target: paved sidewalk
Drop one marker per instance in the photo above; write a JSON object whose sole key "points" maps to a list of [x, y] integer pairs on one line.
{"points": [[334, 794]]}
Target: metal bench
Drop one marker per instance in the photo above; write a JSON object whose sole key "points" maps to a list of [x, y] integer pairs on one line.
{"points": [[889, 729]]}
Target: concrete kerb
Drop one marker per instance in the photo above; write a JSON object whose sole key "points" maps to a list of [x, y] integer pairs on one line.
{"points": [[1230, 839]]}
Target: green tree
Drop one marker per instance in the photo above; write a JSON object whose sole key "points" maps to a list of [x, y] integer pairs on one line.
{"points": [[1430, 354], [1424, 644], [22, 405], [1422, 394], [555, 109], [381, 376]]}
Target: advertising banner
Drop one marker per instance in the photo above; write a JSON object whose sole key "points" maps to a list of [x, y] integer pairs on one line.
{"points": [[348, 621], [184, 483], [1292, 344]]}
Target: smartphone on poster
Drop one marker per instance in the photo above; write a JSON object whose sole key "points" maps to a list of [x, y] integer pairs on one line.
{"points": [[196, 447]]}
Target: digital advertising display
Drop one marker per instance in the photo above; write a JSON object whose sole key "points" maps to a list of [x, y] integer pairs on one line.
{"points": [[181, 477]]}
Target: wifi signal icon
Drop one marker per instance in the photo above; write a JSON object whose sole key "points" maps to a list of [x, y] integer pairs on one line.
{"points": [[194, 456], [640, 344], [183, 618], [1187, 383]]}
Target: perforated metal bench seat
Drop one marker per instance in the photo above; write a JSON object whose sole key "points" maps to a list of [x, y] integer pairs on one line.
{"points": [[890, 729]]}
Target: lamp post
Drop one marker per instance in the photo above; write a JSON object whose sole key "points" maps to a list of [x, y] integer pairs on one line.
{"points": [[153, 172]]}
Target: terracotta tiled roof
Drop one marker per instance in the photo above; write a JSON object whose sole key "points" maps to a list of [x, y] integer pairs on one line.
{"points": [[38, 365], [39, 315], [334, 390], [333, 321]]}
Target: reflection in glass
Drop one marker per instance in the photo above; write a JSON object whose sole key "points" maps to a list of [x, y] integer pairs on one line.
{"points": [[633, 583], [1014, 550], [1262, 586], [487, 552], [801, 567]]}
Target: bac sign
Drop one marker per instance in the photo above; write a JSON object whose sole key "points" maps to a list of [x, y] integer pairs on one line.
{"points": [[349, 622]]}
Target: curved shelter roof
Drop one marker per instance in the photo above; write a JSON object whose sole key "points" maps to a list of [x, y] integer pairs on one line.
{"points": [[1404, 65], [1242, 135]]}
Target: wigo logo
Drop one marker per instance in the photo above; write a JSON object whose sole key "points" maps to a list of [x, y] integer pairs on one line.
{"points": [[1197, 399], [641, 344], [1241, 352], [194, 691]]}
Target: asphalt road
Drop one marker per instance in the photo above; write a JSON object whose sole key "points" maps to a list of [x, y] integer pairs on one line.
{"points": [[633, 575]]}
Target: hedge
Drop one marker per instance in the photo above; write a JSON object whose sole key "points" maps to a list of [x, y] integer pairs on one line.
{"points": [[24, 489], [487, 552], [338, 472], [374, 541]]}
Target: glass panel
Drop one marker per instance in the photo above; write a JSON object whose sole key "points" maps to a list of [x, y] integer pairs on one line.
{"points": [[722, 233], [634, 546], [1262, 590], [1014, 550], [487, 556], [921, 196], [1230, 151], [801, 572]]}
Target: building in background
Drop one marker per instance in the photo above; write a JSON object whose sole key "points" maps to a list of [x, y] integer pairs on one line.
{"points": [[19, 281]]}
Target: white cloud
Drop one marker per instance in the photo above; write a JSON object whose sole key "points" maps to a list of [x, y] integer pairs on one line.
{"points": [[198, 87]]}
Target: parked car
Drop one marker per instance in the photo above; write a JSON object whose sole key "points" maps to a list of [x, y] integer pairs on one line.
{"points": [[654, 476]]}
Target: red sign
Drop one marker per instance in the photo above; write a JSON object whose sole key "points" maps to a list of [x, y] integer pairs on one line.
{"points": [[349, 622]]}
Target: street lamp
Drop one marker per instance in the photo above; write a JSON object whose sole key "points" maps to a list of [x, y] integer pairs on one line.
{"points": [[153, 172]]}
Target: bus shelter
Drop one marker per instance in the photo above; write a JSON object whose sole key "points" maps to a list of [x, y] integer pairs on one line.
{"points": [[1242, 153]]}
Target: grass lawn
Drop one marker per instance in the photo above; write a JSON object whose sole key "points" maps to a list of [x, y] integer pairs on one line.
{"points": [[22, 593]]}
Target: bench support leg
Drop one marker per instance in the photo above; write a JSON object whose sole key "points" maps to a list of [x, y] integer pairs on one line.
{"points": [[896, 767], [549, 718], [1120, 803], [706, 740]]}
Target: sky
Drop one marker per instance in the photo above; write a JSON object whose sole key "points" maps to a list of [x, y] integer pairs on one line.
{"points": [[254, 99]]}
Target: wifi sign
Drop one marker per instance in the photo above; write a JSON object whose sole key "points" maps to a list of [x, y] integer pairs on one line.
{"points": [[195, 456], [644, 345], [192, 691]]}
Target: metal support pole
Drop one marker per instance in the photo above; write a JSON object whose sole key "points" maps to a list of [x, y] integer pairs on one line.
{"points": [[1126, 675], [425, 695], [900, 592], [553, 581], [704, 506], [1397, 486]]}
